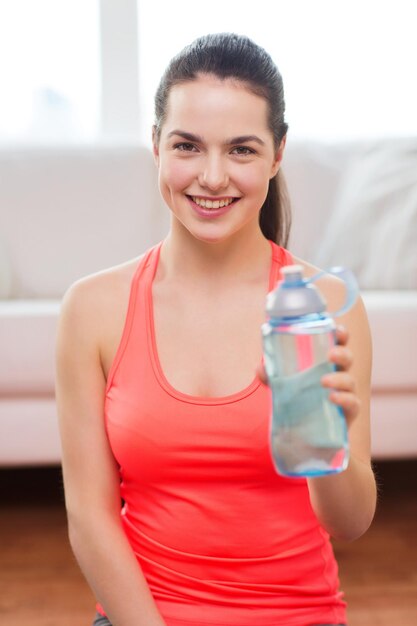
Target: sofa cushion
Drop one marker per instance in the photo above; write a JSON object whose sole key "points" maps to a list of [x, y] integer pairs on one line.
{"points": [[70, 212], [29, 431], [393, 321], [394, 424], [373, 227], [27, 340], [312, 172], [5, 270]]}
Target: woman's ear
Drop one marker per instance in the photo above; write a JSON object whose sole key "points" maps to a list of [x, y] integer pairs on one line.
{"points": [[155, 146], [278, 157]]}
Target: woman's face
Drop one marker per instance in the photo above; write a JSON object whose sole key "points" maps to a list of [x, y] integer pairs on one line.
{"points": [[215, 157]]}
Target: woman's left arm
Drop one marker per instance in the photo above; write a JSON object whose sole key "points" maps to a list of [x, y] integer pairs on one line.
{"points": [[345, 503]]}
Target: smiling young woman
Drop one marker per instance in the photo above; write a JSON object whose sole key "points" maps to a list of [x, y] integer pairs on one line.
{"points": [[159, 382]]}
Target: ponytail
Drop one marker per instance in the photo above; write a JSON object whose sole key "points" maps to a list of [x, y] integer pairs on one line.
{"points": [[275, 214]]}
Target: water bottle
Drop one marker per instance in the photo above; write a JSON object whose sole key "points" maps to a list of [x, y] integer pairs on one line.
{"points": [[308, 434]]}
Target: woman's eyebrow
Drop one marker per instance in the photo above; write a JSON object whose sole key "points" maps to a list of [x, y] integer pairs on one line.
{"points": [[245, 139], [229, 142], [186, 136]]}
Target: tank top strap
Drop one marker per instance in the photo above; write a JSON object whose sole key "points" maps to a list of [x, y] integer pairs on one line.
{"points": [[280, 257], [147, 260]]}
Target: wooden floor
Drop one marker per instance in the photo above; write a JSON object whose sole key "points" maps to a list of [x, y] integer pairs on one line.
{"points": [[40, 583]]}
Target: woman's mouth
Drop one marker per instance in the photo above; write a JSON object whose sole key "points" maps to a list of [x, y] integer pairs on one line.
{"points": [[212, 204], [206, 207]]}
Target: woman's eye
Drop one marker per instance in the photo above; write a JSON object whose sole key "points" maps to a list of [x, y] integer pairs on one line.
{"points": [[184, 147], [243, 150]]}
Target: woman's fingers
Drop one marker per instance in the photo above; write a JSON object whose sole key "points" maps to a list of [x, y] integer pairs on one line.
{"points": [[341, 356], [341, 381], [348, 402], [341, 388]]}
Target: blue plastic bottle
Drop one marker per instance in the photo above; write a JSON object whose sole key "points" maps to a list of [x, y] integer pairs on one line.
{"points": [[308, 434]]}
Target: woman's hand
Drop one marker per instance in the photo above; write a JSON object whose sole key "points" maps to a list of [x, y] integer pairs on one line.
{"points": [[340, 383]]}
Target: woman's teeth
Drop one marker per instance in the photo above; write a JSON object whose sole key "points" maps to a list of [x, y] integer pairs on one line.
{"points": [[212, 204]]}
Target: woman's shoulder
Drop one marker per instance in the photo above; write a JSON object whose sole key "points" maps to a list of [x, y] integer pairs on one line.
{"points": [[104, 282], [91, 300]]}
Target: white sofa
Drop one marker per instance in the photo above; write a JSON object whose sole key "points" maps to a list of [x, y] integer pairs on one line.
{"points": [[67, 212]]}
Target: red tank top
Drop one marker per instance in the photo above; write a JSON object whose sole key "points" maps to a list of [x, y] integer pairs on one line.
{"points": [[222, 539]]}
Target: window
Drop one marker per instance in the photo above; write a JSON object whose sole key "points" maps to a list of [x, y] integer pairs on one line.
{"points": [[348, 66], [50, 70], [87, 70]]}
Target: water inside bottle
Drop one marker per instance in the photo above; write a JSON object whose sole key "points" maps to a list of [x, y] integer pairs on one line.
{"points": [[308, 431]]}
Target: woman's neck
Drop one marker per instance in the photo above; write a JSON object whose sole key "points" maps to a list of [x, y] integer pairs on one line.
{"points": [[244, 255]]}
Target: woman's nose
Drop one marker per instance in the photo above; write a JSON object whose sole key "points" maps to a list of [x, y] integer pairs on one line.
{"points": [[214, 175]]}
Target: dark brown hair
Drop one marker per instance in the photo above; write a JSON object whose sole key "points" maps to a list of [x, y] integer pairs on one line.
{"points": [[227, 55]]}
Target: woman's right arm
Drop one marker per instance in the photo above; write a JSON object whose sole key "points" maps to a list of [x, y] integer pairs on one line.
{"points": [[90, 472]]}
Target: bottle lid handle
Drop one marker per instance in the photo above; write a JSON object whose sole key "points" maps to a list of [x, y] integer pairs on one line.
{"points": [[351, 284]]}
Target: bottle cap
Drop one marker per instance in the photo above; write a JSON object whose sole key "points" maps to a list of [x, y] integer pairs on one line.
{"points": [[295, 296]]}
